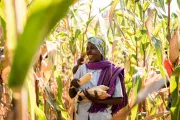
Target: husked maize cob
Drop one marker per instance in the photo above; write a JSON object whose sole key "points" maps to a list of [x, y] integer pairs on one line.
{"points": [[103, 87], [85, 79], [101, 92]]}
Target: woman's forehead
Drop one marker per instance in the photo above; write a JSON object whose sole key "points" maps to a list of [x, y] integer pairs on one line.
{"points": [[89, 43]]}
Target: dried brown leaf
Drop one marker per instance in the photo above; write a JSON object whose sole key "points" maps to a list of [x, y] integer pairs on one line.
{"points": [[160, 114], [122, 114], [155, 85], [148, 23], [174, 47], [66, 23], [5, 73]]}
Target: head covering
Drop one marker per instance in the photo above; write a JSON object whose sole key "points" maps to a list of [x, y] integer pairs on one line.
{"points": [[100, 44]]}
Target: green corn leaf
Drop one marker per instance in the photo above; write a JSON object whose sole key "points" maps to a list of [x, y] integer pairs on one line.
{"points": [[59, 98], [158, 49], [175, 105], [77, 33], [176, 71], [60, 88], [3, 24], [178, 2], [33, 108], [40, 114], [168, 1], [38, 25], [2, 14], [89, 21], [146, 5], [137, 81], [161, 3], [134, 112]]}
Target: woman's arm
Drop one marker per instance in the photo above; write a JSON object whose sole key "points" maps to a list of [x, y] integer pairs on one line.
{"points": [[108, 101], [75, 68], [79, 62]]}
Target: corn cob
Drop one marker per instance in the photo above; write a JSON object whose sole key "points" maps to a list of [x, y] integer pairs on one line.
{"points": [[101, 92], [85, 79]]}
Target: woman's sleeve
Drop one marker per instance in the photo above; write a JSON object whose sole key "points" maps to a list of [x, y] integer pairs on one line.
{"points": [[118, 91]]}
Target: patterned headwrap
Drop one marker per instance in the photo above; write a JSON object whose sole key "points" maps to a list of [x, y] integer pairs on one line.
{"points": [[100, 44]]}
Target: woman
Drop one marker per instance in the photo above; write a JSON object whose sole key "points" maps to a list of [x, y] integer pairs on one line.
{"points": [[104, 73]]}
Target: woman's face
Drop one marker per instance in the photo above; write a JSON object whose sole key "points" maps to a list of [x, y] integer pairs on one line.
{"points": [[93, 53]]}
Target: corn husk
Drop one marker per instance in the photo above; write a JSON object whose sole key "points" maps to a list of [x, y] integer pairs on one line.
{"points": [[101, 92], [174, 47]]}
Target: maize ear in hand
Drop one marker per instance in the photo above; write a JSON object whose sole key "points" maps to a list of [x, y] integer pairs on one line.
{"points": [[85, 79], [101, 92], [103, 87]]}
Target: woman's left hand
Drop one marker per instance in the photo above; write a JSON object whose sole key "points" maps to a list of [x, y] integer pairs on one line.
{"points": [[95, 99]]}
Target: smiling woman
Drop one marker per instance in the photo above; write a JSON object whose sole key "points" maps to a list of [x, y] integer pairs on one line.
{"points": [[93, 53], [99, 104], [96, 49]]}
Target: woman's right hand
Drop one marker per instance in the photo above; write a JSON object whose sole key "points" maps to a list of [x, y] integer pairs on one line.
{"points": [[74, 83], [80, 60]]}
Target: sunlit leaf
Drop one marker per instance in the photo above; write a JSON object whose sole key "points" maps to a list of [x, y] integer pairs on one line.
{"points": [[40, 114], [176, 71], [113, 6], [140, 10], [122, 4], [178, 2], [3, 24], [157, 30], [105, 7], [134, 112], [161, 2], [130, 16], [175, 105], [158, 48], [137, 81], [29, 43], [59, 98], [33, 108], [2, 14], [146, 5], [89, 21], [77, 33], [11, 40], [168, 1]]}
